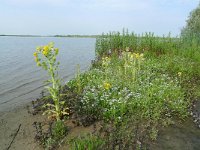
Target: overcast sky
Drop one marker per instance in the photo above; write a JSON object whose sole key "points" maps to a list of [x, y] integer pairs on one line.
{"points": [[50, 17]]}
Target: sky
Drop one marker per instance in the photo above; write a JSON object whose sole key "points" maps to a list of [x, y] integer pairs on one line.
{"points": [[63, 17]]}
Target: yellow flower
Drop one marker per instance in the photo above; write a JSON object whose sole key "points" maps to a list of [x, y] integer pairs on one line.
{"points": [[39, 48], [45, 50], [107, 86], [179, 74], [45, 53], [137, 55], [105, 61], [35, 54]]}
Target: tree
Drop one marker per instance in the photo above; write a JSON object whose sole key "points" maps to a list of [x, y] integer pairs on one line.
{"points": [[192, 27]]}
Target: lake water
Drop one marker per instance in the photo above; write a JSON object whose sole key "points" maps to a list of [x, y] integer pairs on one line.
{"points": [[21, 81]]}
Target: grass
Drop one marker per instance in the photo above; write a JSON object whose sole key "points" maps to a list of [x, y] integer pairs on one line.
{"points": [[137, 85]]}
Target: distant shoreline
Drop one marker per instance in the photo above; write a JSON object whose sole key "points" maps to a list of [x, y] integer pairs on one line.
{"points": [[73, 36]]}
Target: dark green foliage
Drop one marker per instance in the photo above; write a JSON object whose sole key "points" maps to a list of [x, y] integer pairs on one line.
{"points": [[193, 22], [52, 137], [115, 42], [87, 142], [192, 28]]}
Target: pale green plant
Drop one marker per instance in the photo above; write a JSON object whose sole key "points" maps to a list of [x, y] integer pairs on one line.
{"points": [[78, 79], [45, 56], [87, 142], [105, 64], [132, 63]]}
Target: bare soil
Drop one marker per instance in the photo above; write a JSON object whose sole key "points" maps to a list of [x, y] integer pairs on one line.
{"points": [[25, 138], [9, 124]]}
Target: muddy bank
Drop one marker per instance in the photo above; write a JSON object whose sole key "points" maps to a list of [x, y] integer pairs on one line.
{"points": [[20, 119], [9, 124], [180, 136]]}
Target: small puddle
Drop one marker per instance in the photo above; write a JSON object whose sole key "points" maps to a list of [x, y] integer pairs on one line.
{"points": [[181, 136]]}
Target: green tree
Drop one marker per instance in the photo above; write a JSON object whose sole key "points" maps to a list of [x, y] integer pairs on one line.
{"points": [[192, 27]]}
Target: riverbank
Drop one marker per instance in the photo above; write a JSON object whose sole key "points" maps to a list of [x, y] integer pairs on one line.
{"points": [[18, 122], [184, 136], [18, 133], [64, 36]]}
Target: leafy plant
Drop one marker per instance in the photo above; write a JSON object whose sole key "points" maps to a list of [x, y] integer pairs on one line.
{"points": [[87, 142], [193, 23], [45, 57]]}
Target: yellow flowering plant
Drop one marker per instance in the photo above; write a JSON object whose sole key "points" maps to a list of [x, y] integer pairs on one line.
{"points": [[105, 61], [45, 57], [107, 85], [132, 62], [105, 64]]}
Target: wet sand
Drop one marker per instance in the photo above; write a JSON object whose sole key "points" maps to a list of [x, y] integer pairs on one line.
{"points": [[24, 140], [9, 124]]}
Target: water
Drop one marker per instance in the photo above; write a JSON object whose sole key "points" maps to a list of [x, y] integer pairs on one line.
{"points": [[180, 136], [22, 81]]}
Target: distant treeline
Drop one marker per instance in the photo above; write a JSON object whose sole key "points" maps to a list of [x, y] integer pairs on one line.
{"points": [[79, 36]]}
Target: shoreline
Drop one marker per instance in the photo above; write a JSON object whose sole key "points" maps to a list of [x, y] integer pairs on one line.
{"points": [[18, 119], [58, 36], [171, 137]]}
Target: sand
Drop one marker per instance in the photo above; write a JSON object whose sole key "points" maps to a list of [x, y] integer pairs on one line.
{"points": [[9, 124], [24, 140]]}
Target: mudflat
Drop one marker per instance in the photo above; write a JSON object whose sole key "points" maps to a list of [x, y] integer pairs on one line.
{"points": [[17, 131]]}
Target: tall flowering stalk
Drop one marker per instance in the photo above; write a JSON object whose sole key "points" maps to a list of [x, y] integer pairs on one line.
{"points": [[45, 57], [133, 61], [105, 63], [78, 79]]}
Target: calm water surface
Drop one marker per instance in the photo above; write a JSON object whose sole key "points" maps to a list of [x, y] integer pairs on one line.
{"points": [[22, 81]]}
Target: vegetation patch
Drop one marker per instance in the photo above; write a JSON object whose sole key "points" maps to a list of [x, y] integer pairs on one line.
{"points": [[137, 85]]}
